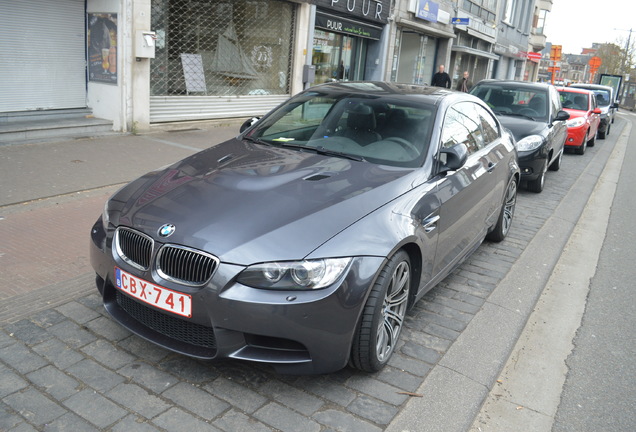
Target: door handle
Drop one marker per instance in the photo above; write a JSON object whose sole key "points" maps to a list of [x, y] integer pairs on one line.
{"points": [[430, 223]]}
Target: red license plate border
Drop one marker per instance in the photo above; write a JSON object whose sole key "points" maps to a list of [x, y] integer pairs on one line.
{"points": [[185, 300]]}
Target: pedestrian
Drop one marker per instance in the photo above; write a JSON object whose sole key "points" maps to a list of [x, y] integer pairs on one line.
{"points": [[441, 78], [464, 84]]}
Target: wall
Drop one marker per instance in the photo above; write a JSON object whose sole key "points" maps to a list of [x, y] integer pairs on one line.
{"points": [[106, 99]]}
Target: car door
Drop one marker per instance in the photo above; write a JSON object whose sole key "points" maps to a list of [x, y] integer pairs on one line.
{"points": [[595, 119], [466, 195], [558, 130]]}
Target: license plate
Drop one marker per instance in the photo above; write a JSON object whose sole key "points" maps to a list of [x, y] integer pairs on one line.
{"points": [[155, 295]]}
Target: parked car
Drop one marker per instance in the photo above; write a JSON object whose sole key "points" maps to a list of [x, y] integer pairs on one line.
{"points": [[533, 112], [302, 242], [585, 117], [606, 101]]}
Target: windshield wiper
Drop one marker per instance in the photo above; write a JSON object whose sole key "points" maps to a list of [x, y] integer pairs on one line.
{"points": [[327, 152], [256, 140], [514, 114], [321, 150]]}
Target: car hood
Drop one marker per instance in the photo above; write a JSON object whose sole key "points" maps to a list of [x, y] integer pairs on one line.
{"points": [[522, 127], [246, 202], [575, 113]]}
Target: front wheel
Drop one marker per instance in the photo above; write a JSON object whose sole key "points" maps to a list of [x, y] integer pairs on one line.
{"points": [[537, 184], [581, 149], [500, 231], [556, 165], [383, 315]]}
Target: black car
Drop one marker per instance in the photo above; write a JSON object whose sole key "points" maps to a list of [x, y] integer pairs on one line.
{"points": [[302, 242], [533, 112]]}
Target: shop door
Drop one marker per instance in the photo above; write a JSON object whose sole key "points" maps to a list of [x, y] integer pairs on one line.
{"points": [[412, 66], [42, 55], [338, 57]]}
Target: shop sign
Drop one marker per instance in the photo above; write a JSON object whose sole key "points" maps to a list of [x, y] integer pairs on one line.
{"points": [[373, 10], [340, 25], [427, 10]]}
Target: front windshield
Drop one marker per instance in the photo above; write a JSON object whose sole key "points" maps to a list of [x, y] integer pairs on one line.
{"points": [[372, 129], [509, 100], [574, 100], [602, 97]]}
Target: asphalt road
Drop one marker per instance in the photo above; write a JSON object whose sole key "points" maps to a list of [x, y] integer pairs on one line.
{"points": [[572, 368], [600, 389]]}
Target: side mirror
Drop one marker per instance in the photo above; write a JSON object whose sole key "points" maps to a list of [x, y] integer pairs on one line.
{"points": [[248, 123], [596, 111], [562, 116], [453, 158]]}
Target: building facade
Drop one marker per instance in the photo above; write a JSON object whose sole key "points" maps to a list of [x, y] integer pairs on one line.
{"points": [[143, 62]]}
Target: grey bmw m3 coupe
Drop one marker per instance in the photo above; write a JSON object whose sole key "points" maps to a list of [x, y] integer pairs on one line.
{"points": [[302, 242]]}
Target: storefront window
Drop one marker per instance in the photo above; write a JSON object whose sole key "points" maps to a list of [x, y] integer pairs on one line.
{"points": [[338, 57], [218, 47]]}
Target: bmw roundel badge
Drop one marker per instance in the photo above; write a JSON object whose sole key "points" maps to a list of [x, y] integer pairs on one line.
{"points": [[166, 230]]}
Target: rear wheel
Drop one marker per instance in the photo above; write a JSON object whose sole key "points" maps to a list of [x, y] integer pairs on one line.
{"points": [[383, 316], [504, 221]]}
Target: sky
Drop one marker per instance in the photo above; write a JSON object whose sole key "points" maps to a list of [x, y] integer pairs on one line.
{"points": [[576, 24]]}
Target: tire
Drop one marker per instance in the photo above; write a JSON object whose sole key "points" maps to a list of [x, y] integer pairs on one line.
{"points": [[608, 129], [537, 184], [601, 135], [556, 164], [383, 316], [581, 149], [592, 140], [504, 221]]}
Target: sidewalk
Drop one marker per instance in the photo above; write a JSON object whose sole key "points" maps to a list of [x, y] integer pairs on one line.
{"points": [[43, 219]]}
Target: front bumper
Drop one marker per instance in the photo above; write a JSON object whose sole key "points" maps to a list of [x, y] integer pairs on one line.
{"points": [[532, 163], [576, 135], [294, 331]]}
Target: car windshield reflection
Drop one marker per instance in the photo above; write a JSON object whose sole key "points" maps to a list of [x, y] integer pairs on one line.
{"points": [[375, 129], [509, 100]]}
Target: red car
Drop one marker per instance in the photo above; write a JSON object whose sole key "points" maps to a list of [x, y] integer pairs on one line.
{"points": [[585, 117]]}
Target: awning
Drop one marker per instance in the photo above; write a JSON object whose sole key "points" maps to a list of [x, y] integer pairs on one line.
{"points": [[473, 51]]}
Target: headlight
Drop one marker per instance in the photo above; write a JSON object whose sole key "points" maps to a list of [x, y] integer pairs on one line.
{"points": [[575, 122], [528, 143], [105, 217], [294, 275]]}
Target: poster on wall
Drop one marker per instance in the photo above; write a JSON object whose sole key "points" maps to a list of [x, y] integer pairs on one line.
{"points": [[102, 47]]}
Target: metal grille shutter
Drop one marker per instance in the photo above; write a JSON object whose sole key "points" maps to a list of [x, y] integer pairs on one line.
{"points": [[42, 55]]}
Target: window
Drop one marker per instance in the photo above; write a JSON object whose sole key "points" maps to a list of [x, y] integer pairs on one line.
{"points": [[509, 12], [541, 21], [489, 128], [462, 125]]}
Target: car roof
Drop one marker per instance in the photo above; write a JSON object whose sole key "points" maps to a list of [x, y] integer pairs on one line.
{"points": [[513, 83], [574, 90], [413, 92], [593, 86]]}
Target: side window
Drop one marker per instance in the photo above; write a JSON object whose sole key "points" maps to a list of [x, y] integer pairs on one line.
{"points": [[489, 128], [462, 125], [555, 102]]}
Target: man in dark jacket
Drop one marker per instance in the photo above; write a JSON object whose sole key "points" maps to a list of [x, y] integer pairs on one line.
{"points": [[441, 78], [464, 84]]}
